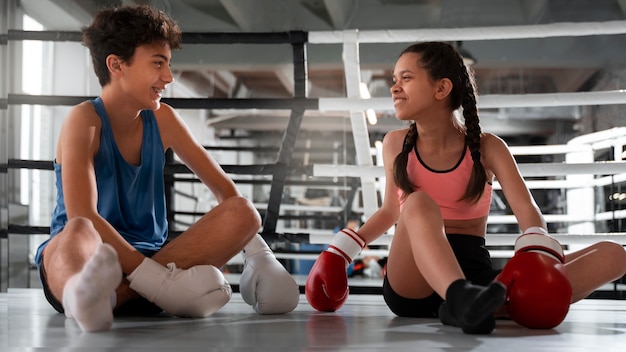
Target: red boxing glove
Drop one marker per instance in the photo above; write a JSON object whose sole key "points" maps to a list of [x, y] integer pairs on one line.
{"points": [[326, 287], [538, 290]]}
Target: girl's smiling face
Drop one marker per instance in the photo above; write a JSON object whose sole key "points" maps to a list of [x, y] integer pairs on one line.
{"points": [[413, 90]]}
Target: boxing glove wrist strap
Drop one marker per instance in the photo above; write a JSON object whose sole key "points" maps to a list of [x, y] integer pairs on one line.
{"points": [[537, 239], [256, 245], [347, 243], [148, 277]]}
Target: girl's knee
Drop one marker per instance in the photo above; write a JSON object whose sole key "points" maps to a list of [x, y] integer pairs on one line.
{"points": [[419, 197], [420, 203], [616, 252]]}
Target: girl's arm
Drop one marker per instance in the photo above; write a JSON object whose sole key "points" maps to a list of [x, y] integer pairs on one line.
{"points": [[497, 157]]}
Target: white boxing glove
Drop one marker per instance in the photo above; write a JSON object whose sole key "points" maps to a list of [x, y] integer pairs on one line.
{"points": [[196, 292], [537, 239], [265, 284]]}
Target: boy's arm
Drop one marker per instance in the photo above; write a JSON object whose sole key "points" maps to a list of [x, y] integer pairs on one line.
{"points": [[78, 142], [176, 135]]}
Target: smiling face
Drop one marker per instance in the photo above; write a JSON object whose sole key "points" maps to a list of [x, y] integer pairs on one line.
{"points": [[144, 77], [413, 90]]}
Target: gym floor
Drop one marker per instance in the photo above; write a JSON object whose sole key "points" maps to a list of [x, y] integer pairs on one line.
{"points": [[27, 322]]}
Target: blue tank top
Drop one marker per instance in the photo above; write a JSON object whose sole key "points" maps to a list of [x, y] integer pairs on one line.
{"points": [[131, 198]]}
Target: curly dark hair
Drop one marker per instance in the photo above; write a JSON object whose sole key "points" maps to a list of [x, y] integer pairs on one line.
{"points": [[441, 60], [120, 30]]}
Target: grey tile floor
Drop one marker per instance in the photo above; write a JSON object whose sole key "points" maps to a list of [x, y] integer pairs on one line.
{"points": [[364, 323]]}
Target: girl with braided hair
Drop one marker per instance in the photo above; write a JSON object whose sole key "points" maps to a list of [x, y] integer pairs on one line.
{"points": [[438, 194]]}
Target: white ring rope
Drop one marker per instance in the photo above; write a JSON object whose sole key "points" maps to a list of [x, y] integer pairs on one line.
{"points": [[616, 169], [497, 239], [490, 101], [565, 29], [527, 169]]}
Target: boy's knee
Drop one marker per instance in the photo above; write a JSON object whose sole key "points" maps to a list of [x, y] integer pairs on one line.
{"points": [[80, 226], [80, 222], [245, 210]]}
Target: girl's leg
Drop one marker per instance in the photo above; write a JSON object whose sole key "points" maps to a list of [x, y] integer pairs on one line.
{"points": [[594, 266], [421, 262], [420, 258]]}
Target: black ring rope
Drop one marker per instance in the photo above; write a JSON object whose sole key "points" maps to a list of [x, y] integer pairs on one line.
{"points": [[178, 103], [298, 105], [292, 37], [178, 168], [290, 182]]}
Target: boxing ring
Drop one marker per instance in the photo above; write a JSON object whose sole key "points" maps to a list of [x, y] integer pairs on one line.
{"points": [[575, 175], [584, 186]]}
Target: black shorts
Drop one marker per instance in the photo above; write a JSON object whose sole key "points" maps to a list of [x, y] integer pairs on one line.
{"points": [[46, 289], [139, 306], [477, 267]]}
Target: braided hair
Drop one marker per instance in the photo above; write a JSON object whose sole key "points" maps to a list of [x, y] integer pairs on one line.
{"points": [[441, 60]]}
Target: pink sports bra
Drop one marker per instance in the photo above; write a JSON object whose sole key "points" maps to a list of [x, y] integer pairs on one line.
{"points": [[448, 186]]}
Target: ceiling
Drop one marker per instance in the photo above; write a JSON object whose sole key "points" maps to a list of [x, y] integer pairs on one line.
{"points": [[504, 66]]}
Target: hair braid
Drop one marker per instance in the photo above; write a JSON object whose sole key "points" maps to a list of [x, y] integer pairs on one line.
{"points": [[476, 184], [401, 177]]}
